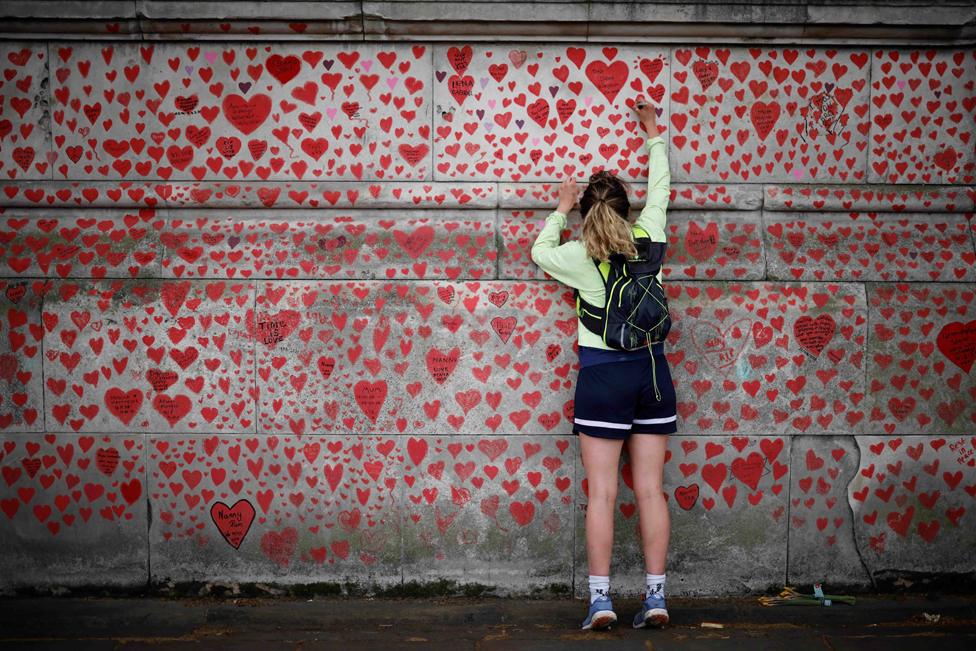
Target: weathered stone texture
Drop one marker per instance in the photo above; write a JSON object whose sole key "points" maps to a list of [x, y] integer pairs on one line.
{"points": [[913, 505], [869, 246], [330, 244], [25, 141], [21, 350], [728, 503], [822, 546], [149, 355], [72, 511], [503, 114], [923, 116], [275, 508], [773, 114], [223, 112]]}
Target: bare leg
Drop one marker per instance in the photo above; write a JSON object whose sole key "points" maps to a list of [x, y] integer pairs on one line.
{"points": [[647, 462], [601, 460]]}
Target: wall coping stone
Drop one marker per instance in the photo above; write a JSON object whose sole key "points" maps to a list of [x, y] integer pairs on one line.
{"points": [[705, 21]]}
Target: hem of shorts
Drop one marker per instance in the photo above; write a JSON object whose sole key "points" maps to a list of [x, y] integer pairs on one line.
{"points": [[672, 430], [604, 436]]}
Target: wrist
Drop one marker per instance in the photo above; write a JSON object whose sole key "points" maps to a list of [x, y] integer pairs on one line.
{"points": [[563, 209]]}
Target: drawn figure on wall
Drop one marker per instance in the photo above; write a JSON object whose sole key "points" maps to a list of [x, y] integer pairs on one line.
{"points": [[624, 392]]}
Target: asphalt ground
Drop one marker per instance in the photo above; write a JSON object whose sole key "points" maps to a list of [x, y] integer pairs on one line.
{"points": [[939, 623]]}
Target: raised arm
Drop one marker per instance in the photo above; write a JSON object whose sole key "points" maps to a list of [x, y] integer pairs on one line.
{"points": [[563, 262], [654, 215]]}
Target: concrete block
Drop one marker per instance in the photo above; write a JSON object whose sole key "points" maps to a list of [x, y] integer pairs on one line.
{"points": [[698, 196], [772, 358], [296, 244], [923, 120], [90, 194], [913, 506], [25, 137], [822, 547], [472, 21], [73, 510], [62, 243], [411, 358], [60, 19], [66, 9], [148, 355], [869, 246], [879, 198], [21, 379], [275, 508], [911, 14], [605, 14], [390, 194], [248, 10], [921, 348], [237, 112], [303, 20], [769, 114], [543, 112], [728, 505], [719, 245], [489, 511]]}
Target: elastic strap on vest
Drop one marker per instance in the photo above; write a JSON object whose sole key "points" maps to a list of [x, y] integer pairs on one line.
{"points": [[657, 392]]}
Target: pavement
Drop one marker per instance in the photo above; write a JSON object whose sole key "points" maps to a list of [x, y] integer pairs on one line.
{"points": [[942, 622]]}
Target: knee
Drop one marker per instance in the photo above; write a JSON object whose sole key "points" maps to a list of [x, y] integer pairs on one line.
{"points": [[604, 496], [648, 493]]}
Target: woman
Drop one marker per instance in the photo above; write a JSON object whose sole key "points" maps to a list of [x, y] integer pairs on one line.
{"points": [[621, 396]]}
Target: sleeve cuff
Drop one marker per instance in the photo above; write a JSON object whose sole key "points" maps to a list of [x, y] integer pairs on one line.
{"points": [[651, 141], [560, 217]]}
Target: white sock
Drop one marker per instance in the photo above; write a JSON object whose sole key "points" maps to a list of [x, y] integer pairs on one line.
{"points": [[655, 585], [599, 587]]}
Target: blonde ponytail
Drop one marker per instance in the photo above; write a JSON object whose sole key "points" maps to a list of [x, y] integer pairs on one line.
{"points": [[605, 232]]}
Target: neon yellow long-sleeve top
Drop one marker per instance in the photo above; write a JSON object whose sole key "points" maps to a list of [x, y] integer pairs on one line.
{"points": [[569, 264]]}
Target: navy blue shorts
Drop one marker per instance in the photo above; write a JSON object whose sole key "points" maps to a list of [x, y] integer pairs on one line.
{"points": [[616, 399]]}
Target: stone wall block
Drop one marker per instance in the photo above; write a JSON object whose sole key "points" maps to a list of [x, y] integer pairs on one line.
{"points": [[728, 504], [289, 244], [822, 546], [923, 118], [912, 499], [769, 114], [21, 351], [707, 245], [149, 355], [867, 197], [64, 243], [343, 194], [194, 112], [275, 508], [777, 358], [72, 511], [250, 20], [408, 358], [869, 246], [543, 112], [921, 350], [25, 113], [489, 511], [83, 194]]}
